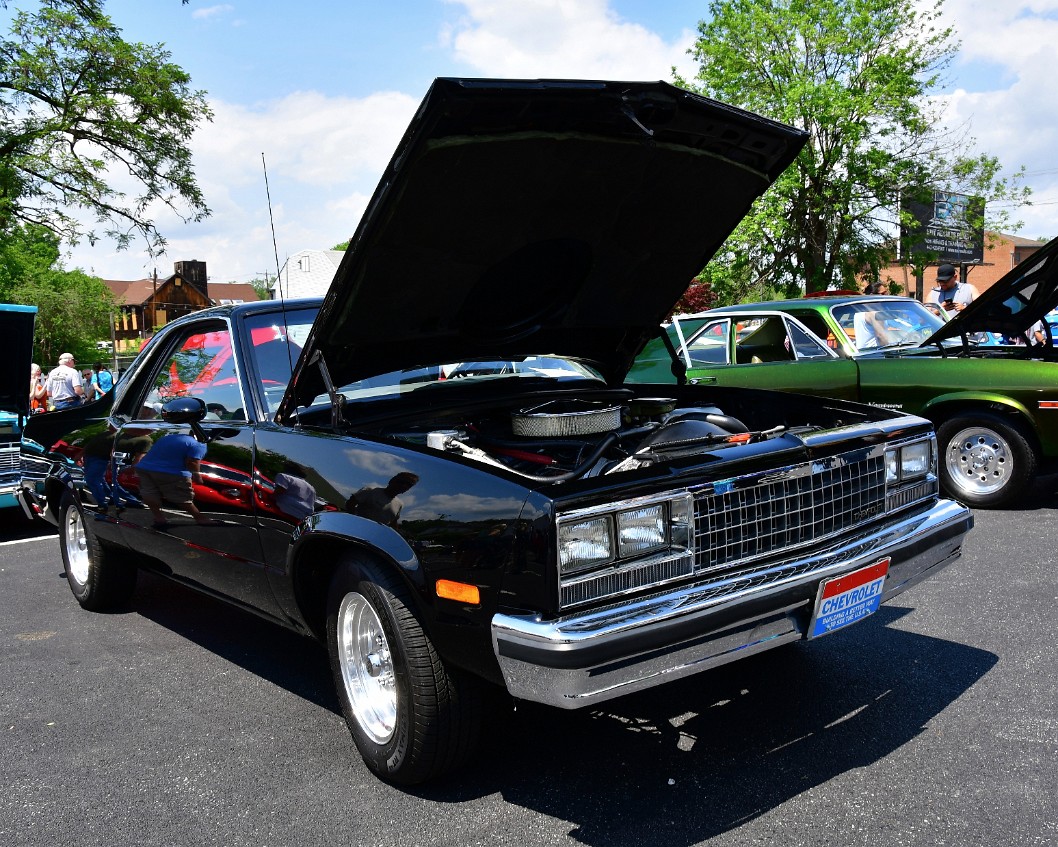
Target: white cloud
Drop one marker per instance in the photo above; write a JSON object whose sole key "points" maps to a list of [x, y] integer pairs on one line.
{"points": [[324, 156], [577, 39], [325, 153], [212, 11], [1004, 93]]}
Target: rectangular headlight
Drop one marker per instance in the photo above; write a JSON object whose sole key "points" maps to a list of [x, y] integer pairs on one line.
{"points": [[908, 462], [914, 460], [585, 544], [641, 530]]}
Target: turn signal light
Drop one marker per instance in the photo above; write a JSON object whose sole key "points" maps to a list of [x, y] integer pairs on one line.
{"points": [[459, 591]]}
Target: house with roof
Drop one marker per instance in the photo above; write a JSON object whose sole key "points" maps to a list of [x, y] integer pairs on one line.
{"points": [[145, 305], [307, 273]]}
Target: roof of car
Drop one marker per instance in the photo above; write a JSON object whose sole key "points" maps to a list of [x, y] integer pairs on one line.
{"points": [[241, 309]]}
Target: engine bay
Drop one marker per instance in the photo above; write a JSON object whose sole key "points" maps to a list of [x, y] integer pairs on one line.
{"points": [[556, 440]]}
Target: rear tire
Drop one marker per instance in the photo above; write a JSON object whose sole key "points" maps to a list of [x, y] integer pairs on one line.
{"points": [[100, 577], [411, 717], [984, 459]]}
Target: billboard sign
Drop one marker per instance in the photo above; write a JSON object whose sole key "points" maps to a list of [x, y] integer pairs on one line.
{"points": [[951, 228]]}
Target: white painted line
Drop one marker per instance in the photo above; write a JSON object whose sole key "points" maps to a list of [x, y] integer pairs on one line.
{"points": [[28, 540]]}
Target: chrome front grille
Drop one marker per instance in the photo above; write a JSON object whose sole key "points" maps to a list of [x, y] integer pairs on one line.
{"points": [[756, 525], [9, 458], [736, 524]]}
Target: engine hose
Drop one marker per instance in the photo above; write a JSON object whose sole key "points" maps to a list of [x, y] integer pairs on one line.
{"points": [[582, 468]]}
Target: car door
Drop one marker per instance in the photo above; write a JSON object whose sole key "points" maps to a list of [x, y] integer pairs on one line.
{"points": [[224, 556], [769, 350]]}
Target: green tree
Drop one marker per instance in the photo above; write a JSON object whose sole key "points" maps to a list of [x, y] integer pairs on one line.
{"points": [[83, 112], [857, 76], [74, 309], [263, 287]]}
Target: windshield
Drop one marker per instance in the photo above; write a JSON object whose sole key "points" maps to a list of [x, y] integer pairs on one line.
{"points": [[874, 324], [439, 376]]}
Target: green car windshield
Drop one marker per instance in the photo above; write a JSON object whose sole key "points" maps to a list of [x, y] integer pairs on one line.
{"points": [[875, 324]]}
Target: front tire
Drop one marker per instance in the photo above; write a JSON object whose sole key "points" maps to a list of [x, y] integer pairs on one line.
{"points": [[411, 717], [100, 578], [985, 460]]}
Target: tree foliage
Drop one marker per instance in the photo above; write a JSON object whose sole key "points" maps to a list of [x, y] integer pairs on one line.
{"points": [[74, 309], [857, 75], [94, 130]]}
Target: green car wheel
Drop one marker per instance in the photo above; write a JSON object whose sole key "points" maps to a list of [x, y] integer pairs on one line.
{"points": [[985, 460]]}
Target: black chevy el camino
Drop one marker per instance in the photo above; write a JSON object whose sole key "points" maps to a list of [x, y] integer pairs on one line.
{"points": [[438, 470]]}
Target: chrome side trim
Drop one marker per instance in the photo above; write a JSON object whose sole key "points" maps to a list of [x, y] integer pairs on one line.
{"points": [[581, 659]]}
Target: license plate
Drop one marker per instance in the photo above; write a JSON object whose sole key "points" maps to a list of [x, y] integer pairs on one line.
{"points": [[843, 600]]}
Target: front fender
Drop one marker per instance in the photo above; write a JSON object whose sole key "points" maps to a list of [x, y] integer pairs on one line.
{"points": [[361, 532], [935, 408]]}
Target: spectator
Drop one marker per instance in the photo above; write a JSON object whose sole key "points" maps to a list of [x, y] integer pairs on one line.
{"points": [[949, 293], [64, 386], [1036, 334], [38, 394], [102, 379]]}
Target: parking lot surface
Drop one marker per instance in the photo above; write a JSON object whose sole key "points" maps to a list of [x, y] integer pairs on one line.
{"points": [[181, 722]]}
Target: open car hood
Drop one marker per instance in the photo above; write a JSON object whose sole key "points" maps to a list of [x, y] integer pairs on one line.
{"points": [[538, 217], [1014, 303], [16, 325]]}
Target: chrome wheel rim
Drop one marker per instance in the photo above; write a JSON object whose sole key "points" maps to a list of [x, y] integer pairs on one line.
{"points": [[979, 460], [76, 546], [367, 668]]}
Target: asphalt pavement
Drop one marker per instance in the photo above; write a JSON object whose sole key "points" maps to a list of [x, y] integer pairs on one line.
{"points": [[181, 722]]}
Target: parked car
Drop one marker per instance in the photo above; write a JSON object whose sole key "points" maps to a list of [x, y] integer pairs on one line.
{"points": [[16, 326], [551, 531], [995, 405]]}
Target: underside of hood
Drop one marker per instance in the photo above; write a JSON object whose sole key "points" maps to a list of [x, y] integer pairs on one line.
{"points": [[1013, 304], [16, 325], [532, 217]]}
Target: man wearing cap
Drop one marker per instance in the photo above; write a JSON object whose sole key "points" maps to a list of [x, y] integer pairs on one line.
{"points": [[64, 384], [950, 294]]}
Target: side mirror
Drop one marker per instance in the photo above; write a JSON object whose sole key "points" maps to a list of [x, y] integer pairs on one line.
{"points": [[187, 410]]}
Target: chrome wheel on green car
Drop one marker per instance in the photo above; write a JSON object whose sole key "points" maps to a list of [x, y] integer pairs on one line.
{"points": [[985, 460]]}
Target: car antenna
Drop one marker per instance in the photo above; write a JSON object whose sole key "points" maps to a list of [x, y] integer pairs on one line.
{"points": [[279, 274]]}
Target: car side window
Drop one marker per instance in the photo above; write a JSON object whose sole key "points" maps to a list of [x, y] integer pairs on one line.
{"points": [[762, 339], [815, 322], [202, 365], [806, 345], [709, 346]]}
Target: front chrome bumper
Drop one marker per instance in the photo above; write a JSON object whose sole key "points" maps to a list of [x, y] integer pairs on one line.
{"points": [[582, 659]]}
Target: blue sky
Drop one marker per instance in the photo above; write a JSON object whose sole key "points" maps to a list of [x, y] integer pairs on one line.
{"points": [[324, 90]]}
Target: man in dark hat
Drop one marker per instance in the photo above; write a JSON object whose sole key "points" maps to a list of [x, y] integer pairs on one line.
{"points": [[949, 293]]}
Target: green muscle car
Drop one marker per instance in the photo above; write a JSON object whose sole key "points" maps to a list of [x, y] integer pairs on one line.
{"points": [[995, 405]]}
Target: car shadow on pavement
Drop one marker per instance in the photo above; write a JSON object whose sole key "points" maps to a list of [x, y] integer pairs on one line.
{"points": [[683, 763], [294, 662], [676, 765]]}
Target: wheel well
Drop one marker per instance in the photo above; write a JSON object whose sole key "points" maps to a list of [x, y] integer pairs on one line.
{"points": [[317, 559], [1012, 417]]}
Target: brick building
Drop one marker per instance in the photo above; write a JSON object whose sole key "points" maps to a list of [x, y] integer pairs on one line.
{"points": [[1001, 253]]}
